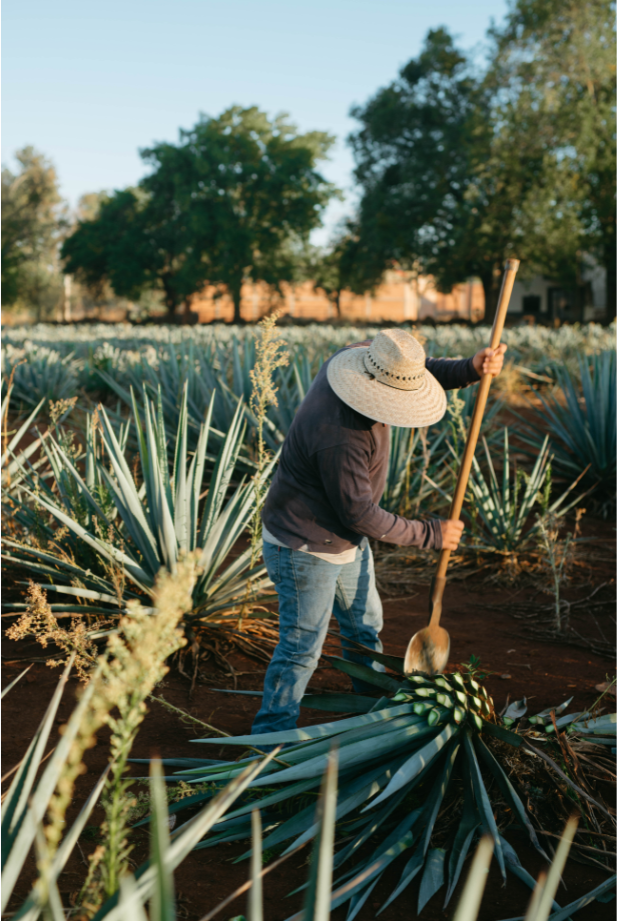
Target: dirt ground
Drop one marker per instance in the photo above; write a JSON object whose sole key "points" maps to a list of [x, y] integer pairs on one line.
{"points": [[477, 616]]}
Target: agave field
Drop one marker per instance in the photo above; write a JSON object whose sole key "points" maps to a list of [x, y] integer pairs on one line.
{"points": [[134, 464]]}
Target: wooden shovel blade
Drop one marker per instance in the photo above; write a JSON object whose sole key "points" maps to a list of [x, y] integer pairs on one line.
{"points": [[428, 651]]}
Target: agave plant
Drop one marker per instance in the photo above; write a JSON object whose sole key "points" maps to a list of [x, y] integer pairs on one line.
{"points": [[503, 511], [203, 371], [41, 374], [13, 459], [582, 423], [415, 462], [422, 750], [135, 889], [26, 801], [117, 534]]}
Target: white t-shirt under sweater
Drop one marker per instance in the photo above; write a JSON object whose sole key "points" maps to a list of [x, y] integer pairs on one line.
{"points": [[347, 556]]}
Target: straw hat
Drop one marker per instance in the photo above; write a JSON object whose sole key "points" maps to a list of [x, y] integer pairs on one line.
{"points": [[388, 381]]}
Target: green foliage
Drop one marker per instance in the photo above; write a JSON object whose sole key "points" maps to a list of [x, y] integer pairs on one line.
{"points": [[117, 535], [503, 511], [581, 419], [413, 156], [347, 263], [555, 77], [32, 221], [236, 198], [135, 243], [446, 190]]}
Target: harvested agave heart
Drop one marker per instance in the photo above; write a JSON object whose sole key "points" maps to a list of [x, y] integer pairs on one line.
{"points": [[448, 698]]}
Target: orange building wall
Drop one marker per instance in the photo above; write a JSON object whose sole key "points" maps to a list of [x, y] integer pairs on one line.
{"points": [[401, 297]]}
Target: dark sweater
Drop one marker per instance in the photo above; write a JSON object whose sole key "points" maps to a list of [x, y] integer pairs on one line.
{"points": [[332, 472]]}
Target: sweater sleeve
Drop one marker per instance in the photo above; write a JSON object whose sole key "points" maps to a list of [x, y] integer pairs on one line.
{"points": [[453, 373], [344, 472]]}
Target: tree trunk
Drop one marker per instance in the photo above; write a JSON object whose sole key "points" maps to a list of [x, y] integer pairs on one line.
{"points": [[491, 293], [235, 292], [611, 285], [170, 300], [186, 310], [338, 306]]}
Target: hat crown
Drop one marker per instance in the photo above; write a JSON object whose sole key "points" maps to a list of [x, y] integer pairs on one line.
{"points": [[397, 359]]}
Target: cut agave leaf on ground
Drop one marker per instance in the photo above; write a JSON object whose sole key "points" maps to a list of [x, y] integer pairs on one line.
{"points": [[364, 673], [516, 710], [313, 732], [433, 876], [514, 866]]}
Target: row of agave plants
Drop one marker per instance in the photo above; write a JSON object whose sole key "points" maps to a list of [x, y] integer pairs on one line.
{"points": [[90, 346], [98, 520], [578, 415]]}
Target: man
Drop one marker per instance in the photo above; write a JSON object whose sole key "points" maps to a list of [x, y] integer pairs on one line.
{"points": [[323, 503]]}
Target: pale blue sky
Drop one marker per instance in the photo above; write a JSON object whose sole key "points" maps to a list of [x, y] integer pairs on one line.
{"points": [[89, 83]]}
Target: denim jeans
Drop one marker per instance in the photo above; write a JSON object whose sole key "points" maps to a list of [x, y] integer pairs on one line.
{"points": [[310, 590]]}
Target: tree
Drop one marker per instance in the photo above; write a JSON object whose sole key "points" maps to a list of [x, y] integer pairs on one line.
{"points": [[555, 66], [460, 170], [137, 242], [418, 152], [235, 199], [32, 222], [346, 264]]}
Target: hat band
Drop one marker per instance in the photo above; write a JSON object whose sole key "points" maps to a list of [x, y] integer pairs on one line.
{"points": [[392, 378]]}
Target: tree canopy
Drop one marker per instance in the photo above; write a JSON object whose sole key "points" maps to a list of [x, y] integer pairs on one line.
{"points": [[227, 203], [32, 222], [461, 169]]}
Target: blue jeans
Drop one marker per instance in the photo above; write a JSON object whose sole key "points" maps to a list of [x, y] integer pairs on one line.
{"points": [[310, 590]]}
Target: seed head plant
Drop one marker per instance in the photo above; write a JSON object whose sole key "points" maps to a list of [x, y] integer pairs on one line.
{"points": [[269, 357], [38, 621]]}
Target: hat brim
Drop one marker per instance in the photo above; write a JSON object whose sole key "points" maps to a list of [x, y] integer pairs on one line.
{"points": [[361, 391]]}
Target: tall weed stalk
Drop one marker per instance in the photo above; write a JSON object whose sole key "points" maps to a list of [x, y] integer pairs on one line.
{"points": [[269, 357], [557, 554]]}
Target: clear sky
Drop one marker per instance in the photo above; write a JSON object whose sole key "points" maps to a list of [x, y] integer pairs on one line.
{"points": [[88, 83]]}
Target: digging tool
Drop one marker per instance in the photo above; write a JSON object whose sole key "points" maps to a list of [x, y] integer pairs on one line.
{"points": [[428, 651]]}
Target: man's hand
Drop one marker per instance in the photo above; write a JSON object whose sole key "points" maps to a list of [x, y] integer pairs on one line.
{"points": [[452, 534], [489, 361]]}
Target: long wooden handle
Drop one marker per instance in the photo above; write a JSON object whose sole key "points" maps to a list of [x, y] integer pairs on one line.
{"points": [[438, 584]]}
